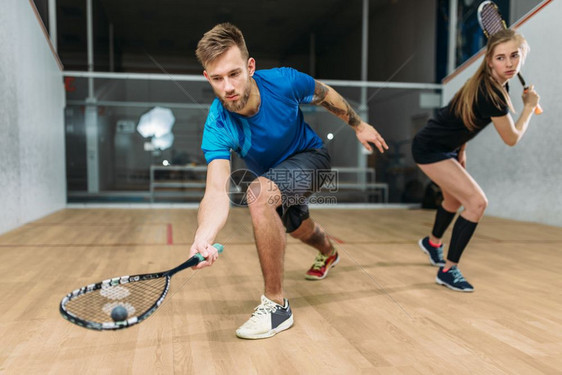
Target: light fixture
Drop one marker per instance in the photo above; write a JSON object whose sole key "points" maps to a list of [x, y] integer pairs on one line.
{"points": [[163, 142], [157, 124]]}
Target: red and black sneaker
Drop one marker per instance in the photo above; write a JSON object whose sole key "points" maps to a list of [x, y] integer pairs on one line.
{"points": [[435, 253], [322, 265]]}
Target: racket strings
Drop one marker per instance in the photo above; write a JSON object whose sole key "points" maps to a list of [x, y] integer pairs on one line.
{"points": [[136, 297], [492, 21]]}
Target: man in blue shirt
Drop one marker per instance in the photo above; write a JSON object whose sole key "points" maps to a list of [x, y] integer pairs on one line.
{"points": [[257, 114]]}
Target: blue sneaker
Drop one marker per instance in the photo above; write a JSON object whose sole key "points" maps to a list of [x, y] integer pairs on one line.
{"points": [[268, 319], [435, 253], [453, 279]]}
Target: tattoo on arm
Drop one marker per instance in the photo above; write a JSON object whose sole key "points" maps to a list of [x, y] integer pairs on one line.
{"points": [[347, 113], [320, 92]]}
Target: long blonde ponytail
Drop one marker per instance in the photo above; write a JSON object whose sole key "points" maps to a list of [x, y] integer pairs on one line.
{"points": [[464, 100]]}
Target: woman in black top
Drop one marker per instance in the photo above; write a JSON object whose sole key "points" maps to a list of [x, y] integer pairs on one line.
{"points": [[439, 148]]}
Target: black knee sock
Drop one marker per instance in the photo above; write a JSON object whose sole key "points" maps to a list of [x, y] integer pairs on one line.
{"points": [[442, 220], [462, 233]]}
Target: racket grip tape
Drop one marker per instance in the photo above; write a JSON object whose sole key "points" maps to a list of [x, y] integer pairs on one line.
{"points": [[538, 108], [218, 246]]}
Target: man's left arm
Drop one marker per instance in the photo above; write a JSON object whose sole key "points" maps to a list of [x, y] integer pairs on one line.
{"points": [[331, 100]]}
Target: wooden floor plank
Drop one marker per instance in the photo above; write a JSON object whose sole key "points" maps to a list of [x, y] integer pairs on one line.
{"points": [[378, 312]]}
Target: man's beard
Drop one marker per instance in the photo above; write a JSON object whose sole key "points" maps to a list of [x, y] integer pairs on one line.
{"points": [[238, 105]]}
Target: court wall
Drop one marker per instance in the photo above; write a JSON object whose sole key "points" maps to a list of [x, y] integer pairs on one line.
{"points": [[525, 182], [32, 171]]}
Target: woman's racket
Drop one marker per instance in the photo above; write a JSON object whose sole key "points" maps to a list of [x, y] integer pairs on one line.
{"points": [[491, 21], [123, 301]]}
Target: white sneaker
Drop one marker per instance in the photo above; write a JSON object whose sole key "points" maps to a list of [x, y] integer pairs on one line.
{"points": [[268, 319]]}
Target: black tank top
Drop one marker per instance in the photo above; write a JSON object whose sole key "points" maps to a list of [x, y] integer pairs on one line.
{"points": [[447, 132]]}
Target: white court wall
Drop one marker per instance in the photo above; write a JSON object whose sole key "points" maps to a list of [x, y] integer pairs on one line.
{"points": [[525, 182], [32, 100]]}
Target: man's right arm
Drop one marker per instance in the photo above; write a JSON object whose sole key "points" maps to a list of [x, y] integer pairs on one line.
{"points": [[213, 211]]}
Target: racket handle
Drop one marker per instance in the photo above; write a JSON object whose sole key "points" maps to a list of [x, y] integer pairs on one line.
{"points": [[217, 246], [538, 108]]}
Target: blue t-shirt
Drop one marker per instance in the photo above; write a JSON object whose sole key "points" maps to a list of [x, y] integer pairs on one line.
{"points": [[274, 133]]}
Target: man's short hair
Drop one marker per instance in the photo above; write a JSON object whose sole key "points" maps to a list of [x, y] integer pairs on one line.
{"points": [[218, 40]]}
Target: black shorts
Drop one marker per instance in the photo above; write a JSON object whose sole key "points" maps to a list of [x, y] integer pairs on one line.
{"points": [[298, 177], [425, 155]]}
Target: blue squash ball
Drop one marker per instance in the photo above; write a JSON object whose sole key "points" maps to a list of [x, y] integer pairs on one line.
{"points": [[119, 313]]}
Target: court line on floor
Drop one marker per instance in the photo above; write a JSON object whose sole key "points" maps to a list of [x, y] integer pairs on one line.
{"points": [[169, 234]]}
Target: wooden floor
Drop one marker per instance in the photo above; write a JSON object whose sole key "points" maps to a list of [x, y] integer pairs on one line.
{"points": [[378, 312]]}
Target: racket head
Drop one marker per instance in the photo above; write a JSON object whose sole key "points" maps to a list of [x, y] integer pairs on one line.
{"points": [[489, 18], [140, 295], [91, 306]]}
